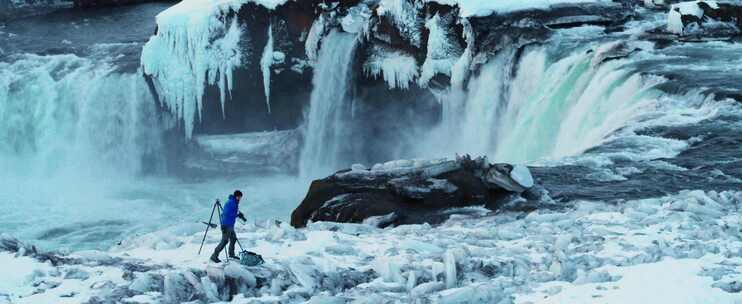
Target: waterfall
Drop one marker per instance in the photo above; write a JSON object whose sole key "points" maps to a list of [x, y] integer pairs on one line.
{"points": [[566, 107], [325, 129], [473, 118], [528, 108], [62, 115]]}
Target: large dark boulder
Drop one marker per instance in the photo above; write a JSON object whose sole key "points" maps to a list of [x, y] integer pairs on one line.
{"points": [[406, 192]]}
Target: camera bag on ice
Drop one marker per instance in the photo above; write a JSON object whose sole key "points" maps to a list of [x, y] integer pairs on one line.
{"points": [[248, 258]]}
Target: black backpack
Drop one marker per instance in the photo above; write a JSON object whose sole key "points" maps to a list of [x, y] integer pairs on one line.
{"points": [[249, 258]]}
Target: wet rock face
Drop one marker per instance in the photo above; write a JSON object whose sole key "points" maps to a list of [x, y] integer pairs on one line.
{"points": [[246, 108], [408, 192]]}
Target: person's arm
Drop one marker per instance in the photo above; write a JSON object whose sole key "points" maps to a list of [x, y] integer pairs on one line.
{"points": [[240, 214]]}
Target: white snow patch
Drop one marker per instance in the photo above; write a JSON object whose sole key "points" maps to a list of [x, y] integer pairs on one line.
{"points": [[647, 283]]}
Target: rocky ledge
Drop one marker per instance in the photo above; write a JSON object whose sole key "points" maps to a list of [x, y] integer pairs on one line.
{"points": [[410, 191]]}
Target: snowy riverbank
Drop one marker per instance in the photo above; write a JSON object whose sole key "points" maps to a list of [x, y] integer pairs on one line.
{"points": [[682, 248]]}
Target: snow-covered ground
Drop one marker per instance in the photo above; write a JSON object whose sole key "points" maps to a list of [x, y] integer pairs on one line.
{"points": [[682, 248]]}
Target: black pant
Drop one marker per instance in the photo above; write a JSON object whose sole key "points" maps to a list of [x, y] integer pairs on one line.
{"points": [[228, 236]]}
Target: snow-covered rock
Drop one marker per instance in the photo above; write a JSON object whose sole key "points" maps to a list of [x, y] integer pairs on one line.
{"points": [[708, 18], [410, 191]]}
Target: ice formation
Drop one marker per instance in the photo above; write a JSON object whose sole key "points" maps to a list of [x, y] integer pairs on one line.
{"points": [[522, 176], [398, 69], [442, 53], [589, 249], [460, 70], [191, 50], [266, 61], [404, 16], [194, 46]]}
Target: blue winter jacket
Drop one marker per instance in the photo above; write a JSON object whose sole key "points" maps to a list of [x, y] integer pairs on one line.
{"points": [[229, 214]]}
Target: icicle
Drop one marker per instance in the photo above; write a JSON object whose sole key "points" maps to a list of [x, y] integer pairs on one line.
{"points": [[411, 280], [276, 286], [460, 70], [265, 64], [451, 275], [189, 52]]}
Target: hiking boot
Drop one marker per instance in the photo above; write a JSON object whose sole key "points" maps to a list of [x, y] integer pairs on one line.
{"points": [[215, 259], [234, 257]]}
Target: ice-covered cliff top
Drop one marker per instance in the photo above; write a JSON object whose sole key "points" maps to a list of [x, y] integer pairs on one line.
{"points": [[200, 7], [487, 7]]}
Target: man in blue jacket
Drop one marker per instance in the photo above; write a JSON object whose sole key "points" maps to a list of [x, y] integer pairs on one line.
{"points": [[229, 216]]}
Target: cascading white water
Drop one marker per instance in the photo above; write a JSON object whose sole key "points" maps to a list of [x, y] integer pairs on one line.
{"points": [[566, 107], [66, 113], [329, 106], [548, 110], [474, 118]]}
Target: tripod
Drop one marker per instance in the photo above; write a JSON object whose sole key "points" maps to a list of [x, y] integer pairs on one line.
{"points": [[218, 209]]}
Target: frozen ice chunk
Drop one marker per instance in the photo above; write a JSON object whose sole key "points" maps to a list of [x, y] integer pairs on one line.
{"points": [[477, 293], [210, 289], [427, 288], [411, 280], [388, 270], [236, 271], [451, 274], [522, 176], [305, 275]]}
